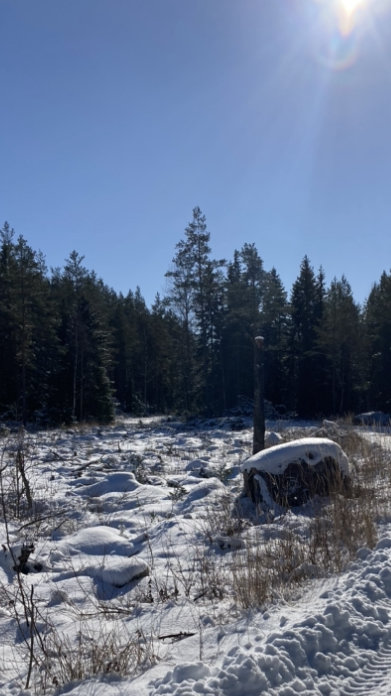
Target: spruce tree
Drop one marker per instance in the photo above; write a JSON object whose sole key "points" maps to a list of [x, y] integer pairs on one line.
{"points": [[377, 316], [242, 322], [30, 347], [339, 339], [306, 302], [195, 295], [274, 322], [84, 376]]}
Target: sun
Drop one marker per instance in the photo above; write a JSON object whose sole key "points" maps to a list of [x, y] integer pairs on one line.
{"points": [[344, 27], [350, 6], [348, 13]]}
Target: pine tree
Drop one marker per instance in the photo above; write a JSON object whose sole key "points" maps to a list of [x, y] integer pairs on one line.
{"points": [[307, 299], [274, 321], [377, 317], [253, 277], [8, 344], [195, 296], [244, 289], [339, 339], [84, 376], [164, 331], [28, 328]]}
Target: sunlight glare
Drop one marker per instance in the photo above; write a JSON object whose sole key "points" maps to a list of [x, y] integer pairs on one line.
{"points": [[350, 6], [343, 26], [347, 12]]}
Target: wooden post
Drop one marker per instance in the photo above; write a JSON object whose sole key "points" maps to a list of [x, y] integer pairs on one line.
{"points": [[259, 409]]}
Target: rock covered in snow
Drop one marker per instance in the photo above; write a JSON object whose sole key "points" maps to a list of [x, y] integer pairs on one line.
{"points": [[291, 473], [372, 418]]}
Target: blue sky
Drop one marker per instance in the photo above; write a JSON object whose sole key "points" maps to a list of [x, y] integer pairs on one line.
{"points": [[118, 117]]}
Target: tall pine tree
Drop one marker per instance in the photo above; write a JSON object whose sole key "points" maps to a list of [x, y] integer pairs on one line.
{"points": [[306, 360]]}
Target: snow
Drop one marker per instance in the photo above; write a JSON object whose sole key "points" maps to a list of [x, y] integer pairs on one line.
{"points": [[134, 543], [100, 553], [311, 450], [339, 643], [114, 483], [100, 540]]}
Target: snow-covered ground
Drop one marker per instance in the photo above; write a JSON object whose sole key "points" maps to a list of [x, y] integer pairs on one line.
{"points": [[142, 543]]}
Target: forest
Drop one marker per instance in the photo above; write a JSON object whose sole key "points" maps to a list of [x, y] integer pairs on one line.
{"points": [[72, 349]]}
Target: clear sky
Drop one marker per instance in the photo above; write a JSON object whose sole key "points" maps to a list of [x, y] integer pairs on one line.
{"points": [[118, 117]]}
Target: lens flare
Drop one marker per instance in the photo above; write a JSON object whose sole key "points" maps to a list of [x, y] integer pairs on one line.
{"points": [[342, 28], [338, 52], [348, 14], [350, 6]]}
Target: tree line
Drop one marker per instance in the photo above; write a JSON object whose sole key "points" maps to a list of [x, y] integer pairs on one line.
{"points": [[73, 349]]}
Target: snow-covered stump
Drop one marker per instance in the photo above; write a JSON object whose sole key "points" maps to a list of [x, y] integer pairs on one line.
{"points": [[290, 474]]}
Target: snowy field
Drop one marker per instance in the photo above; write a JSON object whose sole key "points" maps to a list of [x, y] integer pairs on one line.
{"points": [[149, 573]]}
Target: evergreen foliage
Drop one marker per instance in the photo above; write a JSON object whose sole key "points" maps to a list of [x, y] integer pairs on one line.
{"points": [[339, 342], [378, 326], [275, 325], [307, 306], [196, 297], [72, 349]]}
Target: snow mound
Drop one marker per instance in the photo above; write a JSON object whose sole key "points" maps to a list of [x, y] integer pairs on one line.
{"points": [[100, 553], [310, 450], [100, 540], [117, 482], [116, 571], [208, 488], [97, 688], [272, 439]]}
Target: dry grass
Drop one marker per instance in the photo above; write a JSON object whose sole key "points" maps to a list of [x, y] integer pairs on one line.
{"points": [[222, 519], [333, 530], [93, 653], [263, 572], [266, 571]]}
